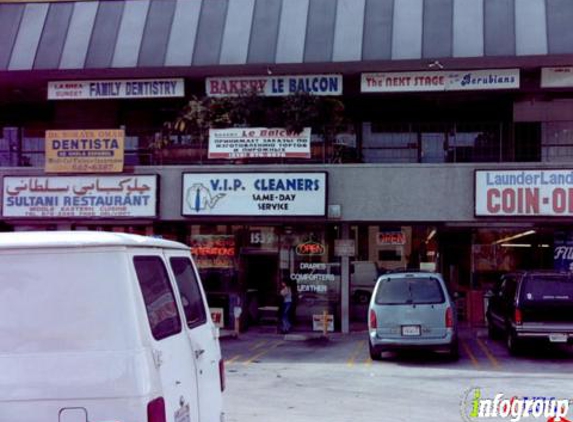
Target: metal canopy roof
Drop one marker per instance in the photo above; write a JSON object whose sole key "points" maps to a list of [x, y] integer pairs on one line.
{"points": [[183, 34]]}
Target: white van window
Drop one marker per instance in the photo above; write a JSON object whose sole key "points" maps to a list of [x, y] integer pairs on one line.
{"points": [[191, 298], [162, 311]]}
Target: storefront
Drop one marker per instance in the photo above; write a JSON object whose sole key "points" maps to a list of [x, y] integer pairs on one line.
{"points": [[386, 180]]}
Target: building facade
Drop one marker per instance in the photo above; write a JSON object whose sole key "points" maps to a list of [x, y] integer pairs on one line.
{"points": [[456, 153]]}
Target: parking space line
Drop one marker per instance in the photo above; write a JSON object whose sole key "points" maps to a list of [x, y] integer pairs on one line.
{"points": [[470, 354], [488, 353], [259, 344], [263, 352], [355, 353], [232, 360]]}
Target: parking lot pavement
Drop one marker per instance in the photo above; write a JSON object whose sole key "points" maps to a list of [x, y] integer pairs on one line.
{"points": [[477, 352], [309, 378]]}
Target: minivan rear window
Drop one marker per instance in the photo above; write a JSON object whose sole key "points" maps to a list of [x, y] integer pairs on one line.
{"points": [[409, 290], [159, 300], [543, 288]]}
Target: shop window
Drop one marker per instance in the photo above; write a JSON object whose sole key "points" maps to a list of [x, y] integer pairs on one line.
{"points": [[390, 255], [557, 142], [432, 142]]}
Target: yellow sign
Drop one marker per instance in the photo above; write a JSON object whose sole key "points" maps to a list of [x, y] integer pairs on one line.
{"points": [[85, 151]]}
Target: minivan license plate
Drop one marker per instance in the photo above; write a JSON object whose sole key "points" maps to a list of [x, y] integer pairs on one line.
{"points": [[558, 338], [183, 414], [410, 330]]}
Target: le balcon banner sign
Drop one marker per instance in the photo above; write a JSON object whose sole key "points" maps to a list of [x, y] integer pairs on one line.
{"points": [[116, 89], [468, 80], [85, 151], [79, 196], [254, 194], [273, 86], [512, 193], [237, 143]]}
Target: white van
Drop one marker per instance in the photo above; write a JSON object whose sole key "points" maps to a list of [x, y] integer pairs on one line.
{"points": [[104, 327]]}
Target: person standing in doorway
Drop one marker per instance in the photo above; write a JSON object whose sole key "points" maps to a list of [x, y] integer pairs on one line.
{"points": [[286, 294]]}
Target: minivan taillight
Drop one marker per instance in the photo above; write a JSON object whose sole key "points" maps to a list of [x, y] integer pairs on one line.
{"points": [[222, 374], [518, 317], [156, 410], [372, 320], [449, 318]]}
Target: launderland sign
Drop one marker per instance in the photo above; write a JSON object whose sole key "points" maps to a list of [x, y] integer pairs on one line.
{"points": [[547, 193], [254, 194]]}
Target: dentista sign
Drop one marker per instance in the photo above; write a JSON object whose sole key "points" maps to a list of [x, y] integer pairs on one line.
{"points": [[524, 193]]}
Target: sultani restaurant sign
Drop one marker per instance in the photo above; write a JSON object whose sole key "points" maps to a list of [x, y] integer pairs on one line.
{"points": [[79, 196]]}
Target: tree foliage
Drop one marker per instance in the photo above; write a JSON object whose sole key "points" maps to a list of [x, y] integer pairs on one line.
{"points": [[325, 115]]}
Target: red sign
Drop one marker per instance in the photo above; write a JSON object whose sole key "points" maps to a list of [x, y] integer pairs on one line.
{"points": [[310, 248], [213, 251], [391, 238]]}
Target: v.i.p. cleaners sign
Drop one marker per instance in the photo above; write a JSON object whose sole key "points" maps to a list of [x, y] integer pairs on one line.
{"points": [[254, 194]]}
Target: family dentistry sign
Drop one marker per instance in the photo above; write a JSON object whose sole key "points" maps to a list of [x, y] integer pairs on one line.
{"points": [[119, 88]]}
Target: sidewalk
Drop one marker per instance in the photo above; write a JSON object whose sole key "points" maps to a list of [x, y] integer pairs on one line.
{"points": [[301, 333]]}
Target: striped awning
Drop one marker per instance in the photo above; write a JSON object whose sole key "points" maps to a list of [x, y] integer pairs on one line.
{"points": [[128, 34]]}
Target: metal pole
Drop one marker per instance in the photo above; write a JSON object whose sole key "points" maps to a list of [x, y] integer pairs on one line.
{"points": [[345, 285]]}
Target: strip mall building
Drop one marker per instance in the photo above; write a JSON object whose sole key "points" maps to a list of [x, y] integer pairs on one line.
{"points": [[458, 157]]}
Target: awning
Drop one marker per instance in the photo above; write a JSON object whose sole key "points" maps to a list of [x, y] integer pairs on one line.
{"points": [[130, 34]]}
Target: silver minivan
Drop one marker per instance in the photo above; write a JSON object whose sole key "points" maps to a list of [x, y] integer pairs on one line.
{"points": [[412, 310]]}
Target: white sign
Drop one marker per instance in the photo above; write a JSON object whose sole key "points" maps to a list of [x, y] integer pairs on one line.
{"points": [[255, 194], [344, 247], [440, 81], [274, 86], [524, 193], [318, 322], [556, 77], [258, 143], [118, 88], [79, 196]]}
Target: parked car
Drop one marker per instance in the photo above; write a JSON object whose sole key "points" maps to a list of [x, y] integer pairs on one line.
{"points": [[532, 305], [412, 310], [100, 326]]}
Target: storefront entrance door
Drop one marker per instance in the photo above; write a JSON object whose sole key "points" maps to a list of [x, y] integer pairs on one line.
{"points": [[260, 276]]}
